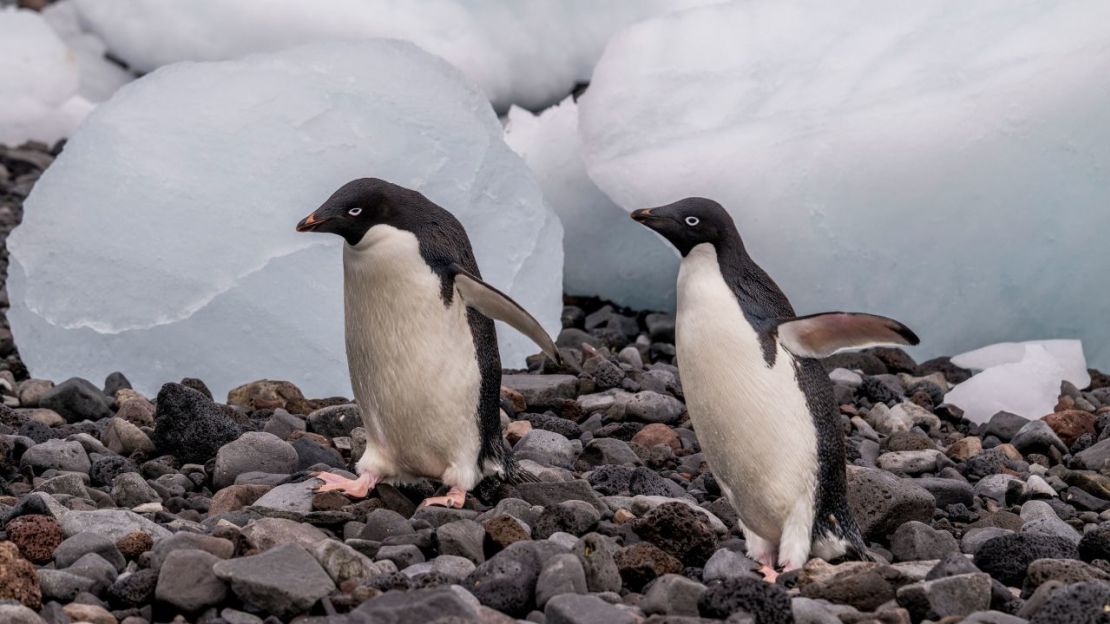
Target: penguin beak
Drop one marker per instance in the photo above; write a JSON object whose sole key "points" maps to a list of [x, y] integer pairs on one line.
{"points": [[310, 223], [642, 215]]}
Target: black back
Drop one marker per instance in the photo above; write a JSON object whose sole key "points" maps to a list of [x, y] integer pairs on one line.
{"points": [[443, 243]]}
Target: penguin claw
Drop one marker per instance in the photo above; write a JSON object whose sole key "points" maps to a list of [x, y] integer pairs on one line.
{"points": [[769, 573], [358, 488], [454, 499]]}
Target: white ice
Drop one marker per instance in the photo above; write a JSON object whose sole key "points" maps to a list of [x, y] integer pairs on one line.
{"points": [[39, 97], [944, 163], [161, 242], [98, 77], [529, 53], [1020, 378], [606, 253]]}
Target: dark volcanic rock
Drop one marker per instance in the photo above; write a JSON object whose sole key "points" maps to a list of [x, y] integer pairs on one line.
{"points": [[507, 581], [1095, 544], [1007, 558], [767, 603], [881, 502], [190, 426], [439, 604], [1082, 603], [76, 399], [639, 564], [679, 530]]}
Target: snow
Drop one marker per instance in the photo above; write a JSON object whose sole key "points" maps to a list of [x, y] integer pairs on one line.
{"points": [[1020, 378], [943, 163], [38, 81], [161, 242], [606, 253], [529, 53]]}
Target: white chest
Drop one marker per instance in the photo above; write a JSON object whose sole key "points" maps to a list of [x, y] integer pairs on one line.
{"points": [[752, 420], [412, 359]]}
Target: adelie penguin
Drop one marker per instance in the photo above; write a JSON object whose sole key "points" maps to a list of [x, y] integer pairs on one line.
{"points": [[759, 400], [421, 345]]}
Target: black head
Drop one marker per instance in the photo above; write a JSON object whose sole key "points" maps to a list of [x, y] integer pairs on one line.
{"points": [[356, 207], [690, 222]]}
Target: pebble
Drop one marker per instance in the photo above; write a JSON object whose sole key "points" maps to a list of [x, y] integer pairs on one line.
{"points": [[187, 581], [254, 451]]}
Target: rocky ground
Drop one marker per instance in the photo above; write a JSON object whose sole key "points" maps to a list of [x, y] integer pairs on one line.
{"points": [[117, 507]]}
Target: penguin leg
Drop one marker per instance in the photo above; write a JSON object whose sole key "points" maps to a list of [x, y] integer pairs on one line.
{"points": [[761, 551], [797, 535], [358, 488], [461, 475]]}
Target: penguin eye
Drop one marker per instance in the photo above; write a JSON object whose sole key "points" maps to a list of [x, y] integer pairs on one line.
{"points": [[354, 212], [692, 221]]}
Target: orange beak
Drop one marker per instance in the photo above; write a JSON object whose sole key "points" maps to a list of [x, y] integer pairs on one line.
{"points": [[641, 215], [310, 223]]}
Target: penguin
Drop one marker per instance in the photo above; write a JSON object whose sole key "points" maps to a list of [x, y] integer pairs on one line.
{"points": [[420, 340], [758, 398]]}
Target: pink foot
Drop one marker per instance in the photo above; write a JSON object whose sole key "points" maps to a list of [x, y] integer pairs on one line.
{"points": [[454, 498], [769, 573], [357, 488]]}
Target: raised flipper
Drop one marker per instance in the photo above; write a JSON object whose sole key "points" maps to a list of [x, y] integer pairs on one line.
{"points": [[498, 306], [821, 335]]}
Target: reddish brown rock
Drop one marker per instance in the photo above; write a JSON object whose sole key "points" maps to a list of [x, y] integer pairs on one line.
{"points": [[235, 497], [93, 614], [329, 501], [315, 437], [655, 434], [269, 394], [622, 515], [517, 430], [965, 448], [1009, 451], [515, 398], [1065, 403], [35, 536], [18, 580], [1071, 424], [641, 563], [134, 544], [504, 530]]}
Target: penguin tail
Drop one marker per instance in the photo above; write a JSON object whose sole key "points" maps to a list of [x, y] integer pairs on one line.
{"points": [[513, 474]]}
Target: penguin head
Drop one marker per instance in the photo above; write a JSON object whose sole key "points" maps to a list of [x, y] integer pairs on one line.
{"points": [[689, 222], [355, 208]]}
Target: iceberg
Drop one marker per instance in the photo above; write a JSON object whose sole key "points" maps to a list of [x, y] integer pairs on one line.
{"points": [[39, 97], [161, 241], [527, 53], [606, 254], [98, 78], [1020, 378], [943, 163]]}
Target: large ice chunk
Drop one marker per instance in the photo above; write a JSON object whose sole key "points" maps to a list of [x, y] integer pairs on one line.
{"points": [[38, 81], [161, 241], [530, 53], [606, 254], [944, 163], [1021, 378], [98, 77]]}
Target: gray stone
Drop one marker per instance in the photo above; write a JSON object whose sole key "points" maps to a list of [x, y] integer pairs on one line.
{"points": [[542, 391], [562, 574], [254, 451], [420, 605], [546, 448], [1094, 457], [185, 540], [125, 438], [949, 596], [974, 538], [551, 493], [265, 533], [596, 552], [65, 455], [1037, 436], [335, 421], [18, 614], [81, 544], [910, 462], [507, 581], [186, 581], [992, 617], [881, 502], [112, 523], [672, 594], [1039, 517], [608, 452], [994, 486], [948, 491], [76, 399], [576, 609], [282, 424], [438, 516], [130, 489], [917, 541], [70, 483], [453, 567], [403, 555], [383, 523], [463, 538], [342, 562], [94, 567], [61, 585], [642, 504], [233, 616], [810, 611], [647, 406], [727, 564], [285, 580], [1004, 425], [573, 516], [291, 497]]}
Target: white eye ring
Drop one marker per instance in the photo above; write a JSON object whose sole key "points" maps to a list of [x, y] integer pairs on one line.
{"points": [[692, 221], [354, 212]]}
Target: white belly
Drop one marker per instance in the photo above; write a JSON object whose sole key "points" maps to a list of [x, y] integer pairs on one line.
{"points": [[752, 421], [412, 360]]}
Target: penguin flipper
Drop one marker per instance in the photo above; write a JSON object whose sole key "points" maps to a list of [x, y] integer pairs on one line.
{"points": [[500, 307], [821, 335]]}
